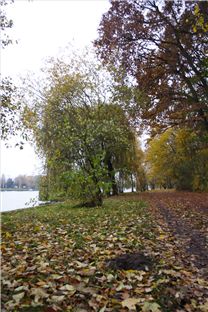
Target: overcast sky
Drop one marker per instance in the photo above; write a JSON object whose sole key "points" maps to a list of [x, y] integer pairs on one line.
{"points": [[43, 28]]}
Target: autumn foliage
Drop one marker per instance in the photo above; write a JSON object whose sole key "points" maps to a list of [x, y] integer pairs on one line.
{"points": [[163, 48]]}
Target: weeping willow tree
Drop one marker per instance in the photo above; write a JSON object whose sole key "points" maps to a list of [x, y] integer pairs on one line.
{"points": [[85, 138]]}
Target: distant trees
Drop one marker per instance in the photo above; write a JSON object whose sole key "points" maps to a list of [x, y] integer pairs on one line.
{"points": [[178, 159], [9, 183], [86, 140], [29, 182], [3, 181], [161, 47], [20, 182]]}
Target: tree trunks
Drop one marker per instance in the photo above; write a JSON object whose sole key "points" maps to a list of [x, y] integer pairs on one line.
{"points": [[112, 177]]}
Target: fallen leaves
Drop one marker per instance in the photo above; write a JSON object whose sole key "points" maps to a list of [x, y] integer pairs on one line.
{"points": [[151, 307], [130, 303], [204, 307], [8, 235], [18, 297], [38, 293], [54, 259]]}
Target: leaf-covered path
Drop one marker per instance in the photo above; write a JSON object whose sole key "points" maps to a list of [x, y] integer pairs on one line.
{"points": [[55, 258], [185, 215]]}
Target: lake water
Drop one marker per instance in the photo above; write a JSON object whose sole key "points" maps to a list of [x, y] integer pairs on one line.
{"points": [[12, 200]]}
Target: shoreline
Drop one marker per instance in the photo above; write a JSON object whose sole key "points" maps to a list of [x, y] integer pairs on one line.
{"points": [[19, 190]]}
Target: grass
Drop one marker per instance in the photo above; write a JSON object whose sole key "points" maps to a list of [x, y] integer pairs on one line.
{"points": [[48, 247]]}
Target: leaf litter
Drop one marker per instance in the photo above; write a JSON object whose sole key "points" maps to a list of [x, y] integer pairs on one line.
{"points": [[54, 257]]}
